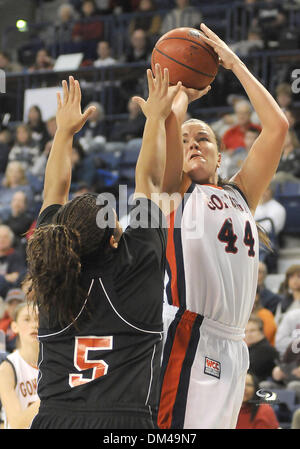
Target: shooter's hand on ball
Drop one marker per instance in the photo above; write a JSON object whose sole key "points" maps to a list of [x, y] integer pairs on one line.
{"points": [[184, 97], [69, 117], [227, 57], [161, 95], [193, 94]]}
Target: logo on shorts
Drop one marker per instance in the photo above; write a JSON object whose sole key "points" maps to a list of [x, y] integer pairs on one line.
{"points": [[212, 368]]}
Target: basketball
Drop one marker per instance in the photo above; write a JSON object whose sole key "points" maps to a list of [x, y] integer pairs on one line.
{"points": [[188, 58]]}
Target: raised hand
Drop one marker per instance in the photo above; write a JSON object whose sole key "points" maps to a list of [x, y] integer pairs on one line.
{"points": [[227, 57], [69, 117], [161, 95]]}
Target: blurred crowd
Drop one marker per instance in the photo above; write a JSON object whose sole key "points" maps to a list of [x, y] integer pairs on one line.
{"points": [[105, 153]]}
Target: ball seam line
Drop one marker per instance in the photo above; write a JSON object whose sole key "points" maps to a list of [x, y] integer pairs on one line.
{"points": [[184, 65], [193, 42]]}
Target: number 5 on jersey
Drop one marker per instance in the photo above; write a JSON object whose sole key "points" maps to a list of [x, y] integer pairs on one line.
{"points": [[81, 362]]}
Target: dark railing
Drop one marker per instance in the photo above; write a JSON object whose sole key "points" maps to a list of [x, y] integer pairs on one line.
{"points": [[230, 19], [264, 65]]}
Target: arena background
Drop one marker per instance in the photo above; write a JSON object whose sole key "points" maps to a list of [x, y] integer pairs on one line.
{"points": [[36, 40]]}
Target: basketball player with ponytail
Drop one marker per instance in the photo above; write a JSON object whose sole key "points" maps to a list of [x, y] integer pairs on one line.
{"points": [[213, 267], [99, 291]]}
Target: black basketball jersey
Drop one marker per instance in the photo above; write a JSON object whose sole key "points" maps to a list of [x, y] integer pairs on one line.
{"points": [[111, 359]]}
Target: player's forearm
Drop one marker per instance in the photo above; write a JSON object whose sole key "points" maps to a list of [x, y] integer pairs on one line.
{"points": [[59, 167], [174, 152], [152, 158], [268, 111]]}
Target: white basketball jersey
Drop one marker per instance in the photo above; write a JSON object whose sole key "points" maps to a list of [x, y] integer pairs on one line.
{"points": [[212, 255], [26, 381]]}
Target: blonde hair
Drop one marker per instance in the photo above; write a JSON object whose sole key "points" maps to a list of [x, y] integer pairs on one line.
{"points": [[23, 179], [201, 122]]}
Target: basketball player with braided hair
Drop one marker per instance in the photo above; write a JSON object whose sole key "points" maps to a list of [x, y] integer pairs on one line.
{"points": [[99, 291], [212, 257]]}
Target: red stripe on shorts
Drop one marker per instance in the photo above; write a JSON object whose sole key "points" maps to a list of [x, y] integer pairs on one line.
{"points": [[173, 371], [171, 258]]}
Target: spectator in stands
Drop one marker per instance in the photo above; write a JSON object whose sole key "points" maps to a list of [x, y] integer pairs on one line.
{"points": [[235, 160], [288, 332], [270, 18], [234, 137], [286, 373], [51, 127], [289, 165], [65, 23], [43, 61], [39, 166], [81, 189], [268, 299], [18, 374], [12, 264], [284, 95], [5, 146], [6, 136], [25, 149], [244, 14], [83, 168], [262, 354], [252, 415], [59, 36], [37, 126], [104, 55], [139, 49], [290, 291], [293, 118], [19, 219], [104, 88], [253, 43], [271, 215], [131, 128], [6, 63], [150, 23], [105, 6], [267, 317], [183, 15], [222, 124], [296, 419], [92, 137], [14, 180], [89, 30], [13, 298]]}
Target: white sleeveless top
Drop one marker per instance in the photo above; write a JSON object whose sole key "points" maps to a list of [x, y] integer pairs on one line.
{"points": [[212, 255], [26, 381]]}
